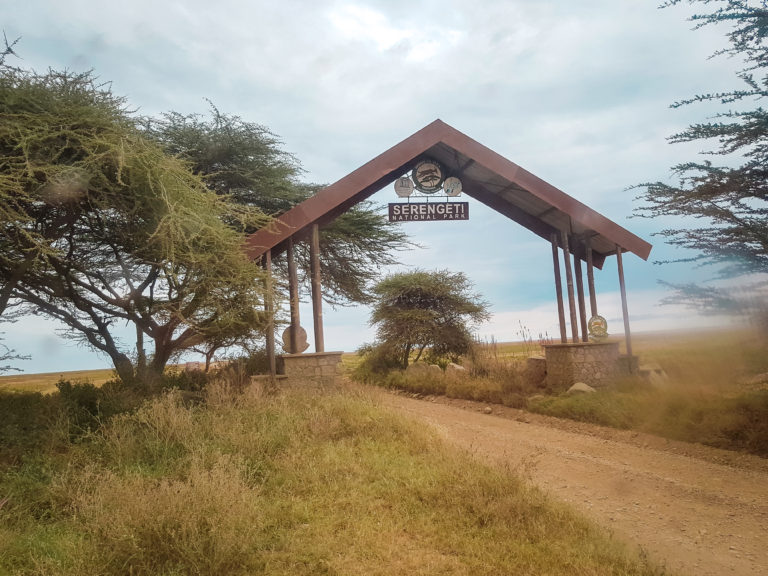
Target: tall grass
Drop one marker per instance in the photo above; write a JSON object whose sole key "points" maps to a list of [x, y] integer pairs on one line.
{"points": [[714, 394], [492, 373], [295, 483]]}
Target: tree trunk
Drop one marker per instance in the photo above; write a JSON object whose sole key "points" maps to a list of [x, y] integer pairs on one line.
{"points": [[420, 352], [124, 368], [406, 355], [141, 354]]}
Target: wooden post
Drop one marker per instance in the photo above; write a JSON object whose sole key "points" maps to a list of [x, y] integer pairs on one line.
{"points": [[624, 311], [270, 311], [580, 294], [590, 277], [293, 294], [559, 291], [317, 293], [569, 284]]}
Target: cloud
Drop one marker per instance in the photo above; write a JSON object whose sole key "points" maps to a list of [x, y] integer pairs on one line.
{"points": [[575, 92]]}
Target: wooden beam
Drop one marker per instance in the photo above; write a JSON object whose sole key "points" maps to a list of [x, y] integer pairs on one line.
{"points": [[569, 284], [580, 294], [293, 294], [559, 290], [624, 311], [269, 309], [317, 292]]}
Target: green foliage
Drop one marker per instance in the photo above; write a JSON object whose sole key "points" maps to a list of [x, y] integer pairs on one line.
{"points": [[242, 161], [420, 309], [101, 226], [376, 360], [187, 380], [81, 399], [28, 423], [728, 198]]}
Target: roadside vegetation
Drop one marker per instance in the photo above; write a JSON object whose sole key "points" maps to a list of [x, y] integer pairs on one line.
{"points": [[235, 480], [715, 391]]}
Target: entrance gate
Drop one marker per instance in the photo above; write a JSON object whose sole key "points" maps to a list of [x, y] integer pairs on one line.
{"points": [[577, 233]]}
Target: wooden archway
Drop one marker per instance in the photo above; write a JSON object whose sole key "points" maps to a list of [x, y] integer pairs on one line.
{"points": [[575, 231]]}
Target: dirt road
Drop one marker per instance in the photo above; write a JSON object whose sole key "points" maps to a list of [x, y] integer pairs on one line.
{"points": [[697, 510]]}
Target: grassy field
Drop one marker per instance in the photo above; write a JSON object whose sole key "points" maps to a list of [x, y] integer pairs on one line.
{"points": [[46, 383], [296, 483]]}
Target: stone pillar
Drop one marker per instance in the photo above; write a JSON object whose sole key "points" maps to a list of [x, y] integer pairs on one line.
{"points": [[596, 364], [317, 368]]}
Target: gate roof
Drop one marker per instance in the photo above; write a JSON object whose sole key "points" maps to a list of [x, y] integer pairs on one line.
{"points": [[485, 176]]}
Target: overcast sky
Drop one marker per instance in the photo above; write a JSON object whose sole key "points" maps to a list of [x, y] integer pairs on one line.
{"points": [[576, 92]]}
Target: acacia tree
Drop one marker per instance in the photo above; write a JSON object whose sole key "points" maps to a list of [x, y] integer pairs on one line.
{"points": [[100, 226], [729, 196], [420, 309], [243, 161]]}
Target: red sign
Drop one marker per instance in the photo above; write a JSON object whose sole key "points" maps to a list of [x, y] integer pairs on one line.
{"points": [[428, 211]]}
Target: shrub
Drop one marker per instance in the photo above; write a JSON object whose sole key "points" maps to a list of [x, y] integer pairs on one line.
{"points": [[82, 402], [377, 360], [257, 362], [28, 421], [189, 380]]}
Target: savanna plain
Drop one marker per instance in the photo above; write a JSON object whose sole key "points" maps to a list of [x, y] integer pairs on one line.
{"points": [[229, 477]]}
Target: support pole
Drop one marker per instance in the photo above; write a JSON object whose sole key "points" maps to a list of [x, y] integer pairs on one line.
{"points": [[580, 294], [269, 308], [569, 284], [293, 294], [590, 277], [624, 310], [317, 292], [559, 290]]}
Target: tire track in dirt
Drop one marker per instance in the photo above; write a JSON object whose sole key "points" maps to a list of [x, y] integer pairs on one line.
{"points": [[697, 510]]}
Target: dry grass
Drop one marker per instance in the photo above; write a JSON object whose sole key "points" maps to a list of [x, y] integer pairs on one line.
{"points": [[714, 395], [296, 483], [45, 383]]}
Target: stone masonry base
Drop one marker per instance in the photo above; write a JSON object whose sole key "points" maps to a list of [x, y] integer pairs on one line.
{"points": [[596, 364], [319, 368]]}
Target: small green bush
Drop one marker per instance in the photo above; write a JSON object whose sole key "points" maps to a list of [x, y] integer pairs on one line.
{"points": [[82, 402], [189, 380], [28, 421], [257, 362], [377, 361]]}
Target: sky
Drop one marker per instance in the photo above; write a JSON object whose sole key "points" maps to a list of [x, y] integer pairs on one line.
{"points": [[577, 93]]}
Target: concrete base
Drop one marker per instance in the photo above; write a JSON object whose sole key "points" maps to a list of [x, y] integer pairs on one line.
{"points": [[596, 364], [535, 371], [322, 368], [629, 365]]}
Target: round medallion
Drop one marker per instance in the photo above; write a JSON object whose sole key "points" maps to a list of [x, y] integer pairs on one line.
{"points": [[403, 187], [428, 176], [452, 186], [598, 327]]}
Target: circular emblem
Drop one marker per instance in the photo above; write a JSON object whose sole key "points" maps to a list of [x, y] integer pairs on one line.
{"points": [[598, 327], [428, 176], [452, 186], [404, 186]]}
